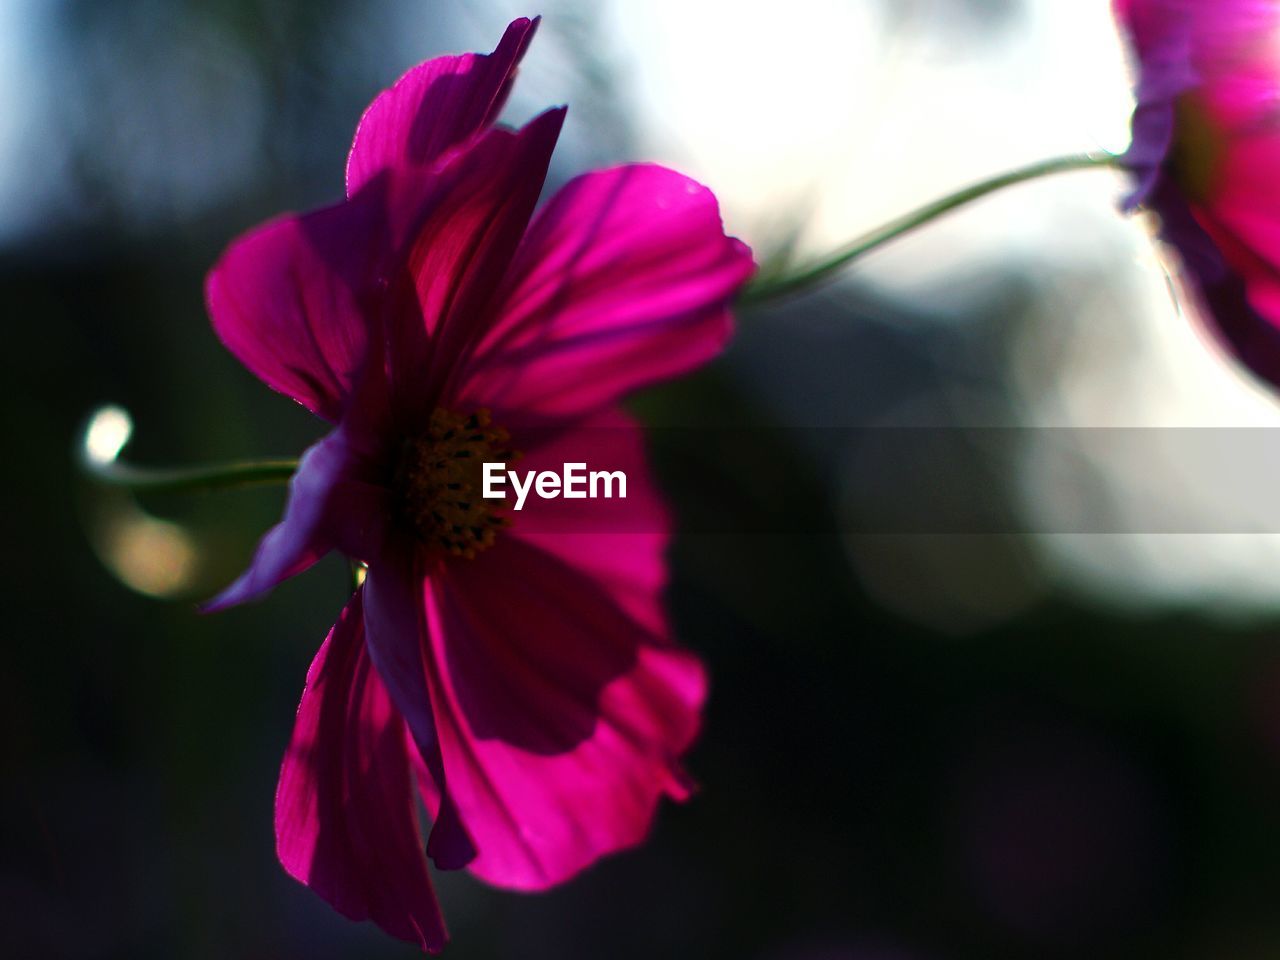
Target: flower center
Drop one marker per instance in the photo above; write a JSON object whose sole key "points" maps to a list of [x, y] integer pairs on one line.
{"points": [[438, 480]]}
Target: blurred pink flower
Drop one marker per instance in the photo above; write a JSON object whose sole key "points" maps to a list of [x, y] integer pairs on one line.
{"points": [[521, 674], [1206, 148]]}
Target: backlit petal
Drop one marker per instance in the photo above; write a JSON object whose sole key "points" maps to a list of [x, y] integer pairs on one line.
{"points": [[620, 543], [1206, 141], [395, 624], [435, 106], [286, 299], [345, 813], [624, 279], [457, 254], [561, 719], [1230, 272]]}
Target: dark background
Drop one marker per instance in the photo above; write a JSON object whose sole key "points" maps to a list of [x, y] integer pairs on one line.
{"points": [[916, 747]]}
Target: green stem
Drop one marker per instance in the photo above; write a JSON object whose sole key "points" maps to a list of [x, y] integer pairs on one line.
{"points": [[214, 476], [107, 432], [821, 272]]}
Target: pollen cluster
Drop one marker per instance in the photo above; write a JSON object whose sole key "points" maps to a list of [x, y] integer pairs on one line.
{"points": [[439, 482]]}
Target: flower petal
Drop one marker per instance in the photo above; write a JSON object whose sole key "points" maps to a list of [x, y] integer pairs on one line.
{"points": [[458, 254], [1162, 42], [1212, 56], [561, 719], [345, 819], [393, 619], [625, 278], [395, 625], [435, 106], [1231, 260], [285, 299], [300, 300], [1205, 147], [619, 543], [332, 503]]}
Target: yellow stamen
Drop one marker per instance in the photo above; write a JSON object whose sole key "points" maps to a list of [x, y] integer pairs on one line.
{"points": [[439, 482]]}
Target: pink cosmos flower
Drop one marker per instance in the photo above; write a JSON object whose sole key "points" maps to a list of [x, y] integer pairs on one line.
{"points": [[1206, 151], [519, 675]]}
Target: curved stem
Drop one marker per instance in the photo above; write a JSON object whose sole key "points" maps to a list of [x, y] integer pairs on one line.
{"points": [[107, 432], [214, 476], [821, 272]]}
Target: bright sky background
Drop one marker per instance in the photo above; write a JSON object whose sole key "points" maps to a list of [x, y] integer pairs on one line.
{"points": [[18, 57]]}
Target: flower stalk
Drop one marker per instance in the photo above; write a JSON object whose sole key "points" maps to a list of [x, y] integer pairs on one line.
{"points": [[108, 431], [807, 278], [214, 476]]}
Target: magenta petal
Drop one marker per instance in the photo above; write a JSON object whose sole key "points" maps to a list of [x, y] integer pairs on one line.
{"points": [[1242, 213], [286, 300], [332, 505], [394, 621], [458, 253], [1205, 150], [620, 544], [449, 846], [561, 719], [624, 279], [435, 106], [1232, 269], [345, 819]]}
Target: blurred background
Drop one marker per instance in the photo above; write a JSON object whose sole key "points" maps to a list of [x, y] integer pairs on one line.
{"points": [[1050, 732]]}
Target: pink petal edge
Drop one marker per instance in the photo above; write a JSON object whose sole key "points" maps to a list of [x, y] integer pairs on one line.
{"points": [[435, 106]]}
